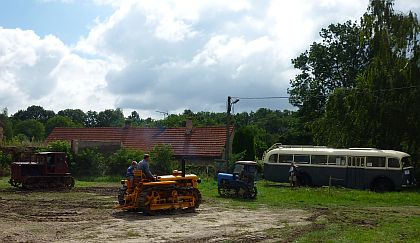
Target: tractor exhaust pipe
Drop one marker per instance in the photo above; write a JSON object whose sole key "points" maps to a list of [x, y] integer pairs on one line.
{"points": [[183, 167]]}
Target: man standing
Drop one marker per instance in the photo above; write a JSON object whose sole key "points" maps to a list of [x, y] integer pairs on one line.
{"points": [[144, 167]]}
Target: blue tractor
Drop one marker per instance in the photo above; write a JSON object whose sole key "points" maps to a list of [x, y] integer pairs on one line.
{"points": [[241, 183]]}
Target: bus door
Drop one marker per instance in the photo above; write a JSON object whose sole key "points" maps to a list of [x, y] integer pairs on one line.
{"points": [[355, 172]]}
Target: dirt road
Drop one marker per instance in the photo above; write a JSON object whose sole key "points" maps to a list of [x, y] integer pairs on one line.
{"points": [[87, 214]]}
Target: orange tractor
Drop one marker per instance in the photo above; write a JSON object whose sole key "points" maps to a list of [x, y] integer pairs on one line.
{"points": [[165, 193]]}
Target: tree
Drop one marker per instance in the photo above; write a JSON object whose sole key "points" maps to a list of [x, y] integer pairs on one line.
{"points": [[76, 115], [91, 119], [59, 121], [244, 140], [162, 162], [330, 64], [381, 110], [111, 118], [34, 112], [32, 129], [119, 161], [7, 125]]}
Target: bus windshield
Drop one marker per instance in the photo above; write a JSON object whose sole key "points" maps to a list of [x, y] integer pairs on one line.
{"points": [[407, 162]]}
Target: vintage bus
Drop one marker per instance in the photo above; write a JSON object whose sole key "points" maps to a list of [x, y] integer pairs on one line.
{"points": [[362, 168]]}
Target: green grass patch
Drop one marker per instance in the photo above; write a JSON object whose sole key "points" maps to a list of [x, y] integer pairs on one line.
{"points": [[281, 195]]}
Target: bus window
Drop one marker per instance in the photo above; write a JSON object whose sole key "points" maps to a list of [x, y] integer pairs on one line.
{"points": [[319, 159], [393, 163], [285, 158], [273, 158], [301, 159], [407, 162], [375, 161], [336, 160]]}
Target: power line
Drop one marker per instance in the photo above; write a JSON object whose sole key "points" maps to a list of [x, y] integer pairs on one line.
{"points": [[326, 95]]}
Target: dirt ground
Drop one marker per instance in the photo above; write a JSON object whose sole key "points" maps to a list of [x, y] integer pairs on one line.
{"points": [[87, 215]]}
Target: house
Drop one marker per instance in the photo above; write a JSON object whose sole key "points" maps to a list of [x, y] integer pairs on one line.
{"points": [[196, 144]]}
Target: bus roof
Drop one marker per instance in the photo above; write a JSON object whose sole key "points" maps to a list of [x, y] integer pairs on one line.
{"points": [[333, 151]]}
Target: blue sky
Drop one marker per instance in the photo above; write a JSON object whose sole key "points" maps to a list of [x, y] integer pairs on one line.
{"points": [[166, 55], [68, 21]]}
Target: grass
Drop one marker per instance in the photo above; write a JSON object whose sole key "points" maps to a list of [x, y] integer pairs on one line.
{"points": [[341, 215]]}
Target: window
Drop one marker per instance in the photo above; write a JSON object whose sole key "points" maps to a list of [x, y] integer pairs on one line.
{"points": [[301, 159], [319, 159], [393, 163], [285, 158], [375, 161], [356, 161], [337, 160], [273, 158]]}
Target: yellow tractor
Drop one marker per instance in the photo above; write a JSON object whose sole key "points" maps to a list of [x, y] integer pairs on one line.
{"points": [[166, 193]]}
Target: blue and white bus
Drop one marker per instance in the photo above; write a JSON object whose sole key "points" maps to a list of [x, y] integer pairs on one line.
{"points": [[363, 168]]}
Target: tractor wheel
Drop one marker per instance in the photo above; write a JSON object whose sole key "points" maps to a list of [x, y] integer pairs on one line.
{"points": [[121, 194], [253, 193]]}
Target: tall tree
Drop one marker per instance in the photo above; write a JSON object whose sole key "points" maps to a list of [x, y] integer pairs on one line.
{"points": [[32, 129], [111, 118], [59, 121], [332, 63], [76, 115], [34, 112], [382, 109]]}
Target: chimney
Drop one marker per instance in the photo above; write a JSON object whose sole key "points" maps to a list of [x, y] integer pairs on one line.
{"points": [[188, 126]]}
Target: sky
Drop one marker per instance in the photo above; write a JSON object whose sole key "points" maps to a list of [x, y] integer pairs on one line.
{"points": [[159, 55]]}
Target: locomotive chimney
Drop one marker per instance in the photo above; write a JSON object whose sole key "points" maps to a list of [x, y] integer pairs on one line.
{"points": [[183, 167], [188, 126]]}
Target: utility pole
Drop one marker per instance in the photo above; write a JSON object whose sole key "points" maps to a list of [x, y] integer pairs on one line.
{"points": [[227, 149], [228, 119]]}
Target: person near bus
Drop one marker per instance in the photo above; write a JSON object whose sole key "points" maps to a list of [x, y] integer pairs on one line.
{"points": [[293, 175]]}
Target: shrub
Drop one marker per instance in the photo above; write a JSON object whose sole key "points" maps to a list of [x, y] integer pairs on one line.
{"points": [[89, 163], [5, 160], [118, 162], [162, 162]]}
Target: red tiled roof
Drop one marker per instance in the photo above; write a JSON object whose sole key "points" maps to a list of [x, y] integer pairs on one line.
{"points": [[202, 142]]}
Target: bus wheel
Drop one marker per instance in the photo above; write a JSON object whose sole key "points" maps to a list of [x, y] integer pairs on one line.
{"points": [[382, 185], [305, 180]]}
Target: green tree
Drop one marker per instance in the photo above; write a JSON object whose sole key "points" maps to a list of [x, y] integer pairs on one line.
{"points": [[91, 119], [111, 118], [32, 129], [6, 124], [34, 112], [382, 109], [119, 161], [59, 121], [244, 140], [89, 163], [76, 115], [162, 162], [332, 63]]}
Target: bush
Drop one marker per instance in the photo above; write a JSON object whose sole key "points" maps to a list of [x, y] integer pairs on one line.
{"points": [[5, 161], [89, 163], [119, 161], [161, 157]]}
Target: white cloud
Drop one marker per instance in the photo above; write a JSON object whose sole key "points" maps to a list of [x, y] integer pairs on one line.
{"points": [[170, 55], [44, 71]]}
